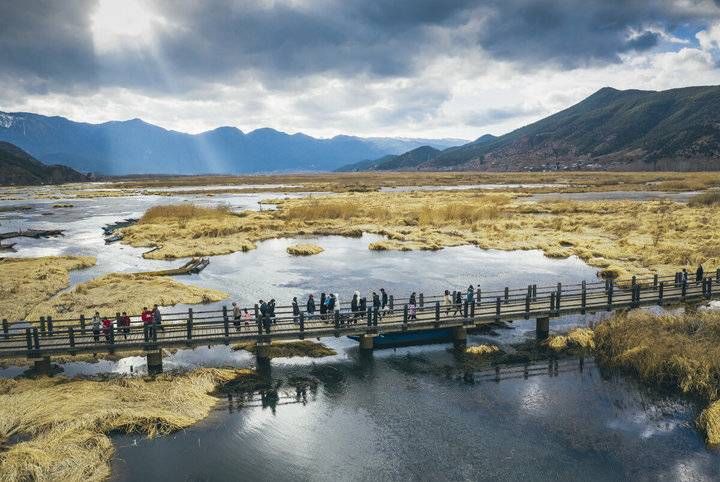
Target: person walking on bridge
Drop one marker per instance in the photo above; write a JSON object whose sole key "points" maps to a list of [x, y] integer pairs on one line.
{"points": [[157, 318], [376, 303], [296, 311], [699, 275], [412, 307], [125, 323], [264, 320], [147, 319], [323, 305], [470, 298], [310, 307], [107, 328], [458, 303], [384, 300], [96, 324], [246, 316], [447, 301], [355, 306], [237, 316]]}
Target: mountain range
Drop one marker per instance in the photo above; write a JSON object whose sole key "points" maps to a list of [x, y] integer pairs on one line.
{"points": [[677, 129], [136, 147], [17, 167]]}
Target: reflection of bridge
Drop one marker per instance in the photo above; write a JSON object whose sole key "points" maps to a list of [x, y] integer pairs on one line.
{"points": [[46, 337]]}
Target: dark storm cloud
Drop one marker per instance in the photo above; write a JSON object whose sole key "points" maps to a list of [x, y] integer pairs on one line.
{"points": [[43, 43], [47, 44]]}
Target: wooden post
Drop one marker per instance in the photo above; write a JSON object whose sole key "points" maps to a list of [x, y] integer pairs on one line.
{"points": [[552, 302], [717, 276], [28, 338], [369, 316], [507, 295], [112, 334], [497, 309], [392, 302], [405, 314], [609, 296], [71, 337], [154, 331], [302, 324], [655, 281], [36, 338], [637, 295], [50, 325], [337, 319], [557, 298], [189, 327], [146, 333], [375, 316], [43, 331], [465, 309], [226, 321], [527, 307], [583, 298], [82, 324], [534, 294], [472, 310], [437, 311], [529, 293], [478, 296], [6, 329], [709, 287], [422, 300], [661, 289]]}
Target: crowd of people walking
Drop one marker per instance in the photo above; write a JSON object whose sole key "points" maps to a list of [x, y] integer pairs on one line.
{"points": [[328, 309]]}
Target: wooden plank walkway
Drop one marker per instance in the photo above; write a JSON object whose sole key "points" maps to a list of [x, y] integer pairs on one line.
{"points": [[47, 337]]}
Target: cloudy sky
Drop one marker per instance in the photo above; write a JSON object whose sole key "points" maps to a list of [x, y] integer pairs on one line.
{"points": [[416, 68]]}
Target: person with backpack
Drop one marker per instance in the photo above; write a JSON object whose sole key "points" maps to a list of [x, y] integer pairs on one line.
{"points": [[323, 306], [237, 316], [383, 300]]}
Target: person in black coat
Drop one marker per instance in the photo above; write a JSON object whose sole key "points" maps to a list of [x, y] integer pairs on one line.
{"points": [[296, 310], [699, 275], [383, 299], [310, 307], [355, 306]]}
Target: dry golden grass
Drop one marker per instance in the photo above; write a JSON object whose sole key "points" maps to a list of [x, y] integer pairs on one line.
{"points": [[27, 282], [482, 350], [708, 198], [675, 351], [68, 421], [576, 338], [80, 357], [621, 238], [122, 292], [291, 349], [304, 249]]}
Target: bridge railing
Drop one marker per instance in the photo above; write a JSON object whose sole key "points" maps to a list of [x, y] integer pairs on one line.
{"points": [[77, 333]]}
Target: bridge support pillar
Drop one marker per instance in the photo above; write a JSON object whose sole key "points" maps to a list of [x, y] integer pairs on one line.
{"points": [[262, 351], [42, 366], [459, 336], [154, 362], [367, 342], [542, 327]]}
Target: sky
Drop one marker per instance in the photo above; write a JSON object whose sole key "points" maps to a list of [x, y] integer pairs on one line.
{"points": [[410, 68]]}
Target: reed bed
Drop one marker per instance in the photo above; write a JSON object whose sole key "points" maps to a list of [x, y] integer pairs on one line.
{"points": [[304, 249], [620, 238], [122, 292], [290, 349], [679, 351], [27, 282], [64, 424], [482, 350], [577, 338]]}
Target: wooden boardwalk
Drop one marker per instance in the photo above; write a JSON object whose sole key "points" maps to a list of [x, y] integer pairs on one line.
{"points": [[47, 337]]}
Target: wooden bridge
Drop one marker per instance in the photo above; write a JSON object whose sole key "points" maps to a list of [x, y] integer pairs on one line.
{"points": [[45, 337]]}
